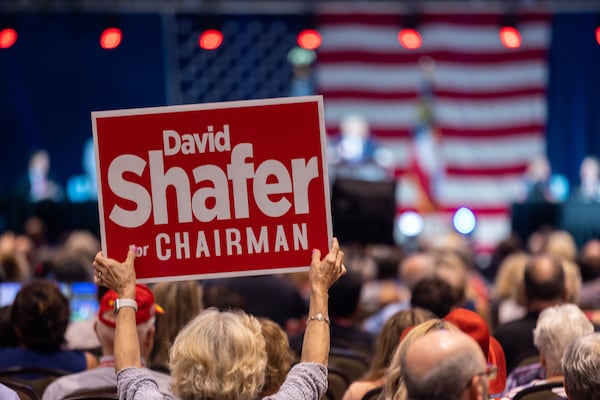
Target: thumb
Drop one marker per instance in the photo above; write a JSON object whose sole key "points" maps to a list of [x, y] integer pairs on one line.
{"points": [[131, 254], [316, 255]]}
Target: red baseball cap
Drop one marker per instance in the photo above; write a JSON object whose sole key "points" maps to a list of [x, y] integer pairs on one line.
{"points": [[475, 326], [145, 302]]}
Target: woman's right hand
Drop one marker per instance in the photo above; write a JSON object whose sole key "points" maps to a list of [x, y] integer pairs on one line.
{"points": [[323, 273]]}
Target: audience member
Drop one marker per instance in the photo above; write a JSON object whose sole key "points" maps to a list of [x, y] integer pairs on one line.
{"points": [[279, 356], [223, 298], [222, 354], [385, 346], [589, 260], [7, 393], [104, 376], [455, 262], [72, 261], [508, 299], [258, 293], [183, 300], [8, 337], [15, 265], [544, 281], [394, 387], [413, 268], [475, 326], [581, 367], [590, 271], [346, 332], [445, 365], [40, 315], [556, 329], [383, 285], [436, 295], [561, 244]]}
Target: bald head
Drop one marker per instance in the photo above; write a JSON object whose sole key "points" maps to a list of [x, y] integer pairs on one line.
{"points": [[544, 279], [442, 365], [416, 267]]}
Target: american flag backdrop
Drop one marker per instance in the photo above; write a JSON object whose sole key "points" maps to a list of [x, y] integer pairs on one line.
{"points": [[488, 103]]}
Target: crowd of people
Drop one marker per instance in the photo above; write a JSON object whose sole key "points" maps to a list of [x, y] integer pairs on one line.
{"points": [[425, 322]]}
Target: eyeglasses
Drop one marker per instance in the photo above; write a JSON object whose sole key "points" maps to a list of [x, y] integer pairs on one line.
{"points": [[491, 371]]}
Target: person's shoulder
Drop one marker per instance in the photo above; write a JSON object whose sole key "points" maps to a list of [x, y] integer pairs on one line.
{"points": [[7, 393]]}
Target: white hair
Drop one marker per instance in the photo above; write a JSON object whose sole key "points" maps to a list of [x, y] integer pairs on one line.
{"points": [[556, 329]]}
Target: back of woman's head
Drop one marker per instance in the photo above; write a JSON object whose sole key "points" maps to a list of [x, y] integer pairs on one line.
{"points": [[40, 315], [279, 356], [181, 301], [389, 338], [219, 356]]}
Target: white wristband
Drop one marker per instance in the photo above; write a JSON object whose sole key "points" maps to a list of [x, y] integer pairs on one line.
{"points": [[120, 303]]}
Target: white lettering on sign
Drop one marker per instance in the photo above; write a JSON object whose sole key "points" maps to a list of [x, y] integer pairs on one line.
{"points": [[191, 143], [277, 187], [237, 241]]}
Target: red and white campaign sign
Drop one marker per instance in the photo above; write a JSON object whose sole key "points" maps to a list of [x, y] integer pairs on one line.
{"points": [[213, 190]]}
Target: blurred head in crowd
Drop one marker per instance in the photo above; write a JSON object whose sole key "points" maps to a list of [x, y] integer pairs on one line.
{"points": [[279, 356], [183, 300], [389, 338], [40, 315], [558, 327], [581, 366]]}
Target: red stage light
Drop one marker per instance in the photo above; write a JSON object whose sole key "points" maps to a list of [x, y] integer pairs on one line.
{"points": [[510, 37], [410, 39], [8, 37], [309, 39], [111, 38], [210, 39], [598, 35]]}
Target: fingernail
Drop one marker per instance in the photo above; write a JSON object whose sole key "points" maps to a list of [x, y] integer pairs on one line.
{"points": [[132, 247], [314, 250]]}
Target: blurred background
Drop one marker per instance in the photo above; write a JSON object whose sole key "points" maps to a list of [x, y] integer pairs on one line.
{"points": [[474, 116]]}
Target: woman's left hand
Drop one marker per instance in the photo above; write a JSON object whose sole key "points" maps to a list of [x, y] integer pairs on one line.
{"points": [[118, 276]]}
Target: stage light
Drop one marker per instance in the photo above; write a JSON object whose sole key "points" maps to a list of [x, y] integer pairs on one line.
{"points": [[8, 37], [111, 38], [464, 221], [598, 35], [510, 37], [309, 39], [210, 39], [410, 224], [410, 38]]}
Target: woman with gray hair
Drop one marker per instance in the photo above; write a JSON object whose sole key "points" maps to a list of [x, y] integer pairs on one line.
{"points": [[221, 355]]}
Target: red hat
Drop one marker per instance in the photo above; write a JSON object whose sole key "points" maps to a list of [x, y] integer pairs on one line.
{"points": [[472, 324], [145, 302]]}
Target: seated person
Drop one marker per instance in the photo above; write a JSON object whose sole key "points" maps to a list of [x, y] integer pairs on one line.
{"points": [[40, 315], [104, 376], [279, 356], [580, 365], [557, 328], [221, 354], [445, 365], [7, 393]]}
